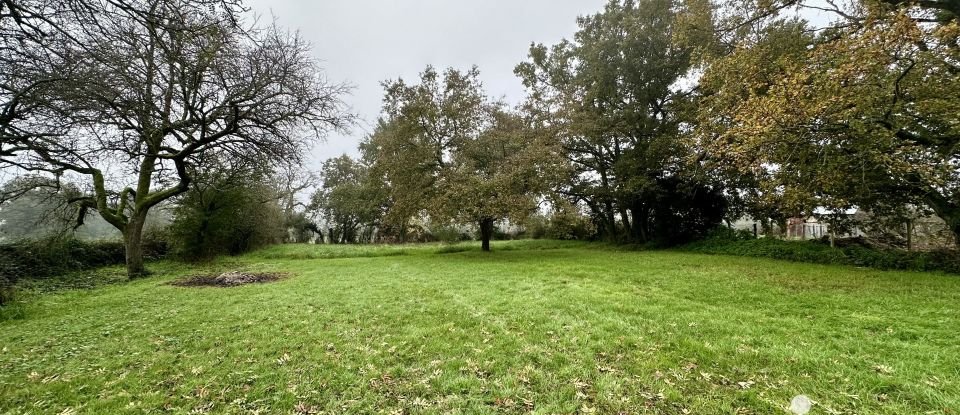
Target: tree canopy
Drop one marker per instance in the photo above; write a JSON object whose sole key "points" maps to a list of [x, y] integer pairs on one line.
{"points": [[149, 87], [862, 113], [448, 151]]}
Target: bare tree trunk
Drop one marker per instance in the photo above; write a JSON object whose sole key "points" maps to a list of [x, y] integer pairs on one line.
{"points": [[627, 228], [486, 233], [133, 244]]}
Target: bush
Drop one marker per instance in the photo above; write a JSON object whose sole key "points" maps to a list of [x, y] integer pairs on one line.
{"points": [[568, 225], [730, 243], [682, 211], [6, 290], [723, 233], [535, 227], [226, 218], [43, 258], [50, 257], [448, 234]]}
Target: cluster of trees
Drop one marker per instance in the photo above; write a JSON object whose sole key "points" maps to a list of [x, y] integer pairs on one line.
{"points": [[660, 119], [445, 151], [861, 112], [132, 99]]}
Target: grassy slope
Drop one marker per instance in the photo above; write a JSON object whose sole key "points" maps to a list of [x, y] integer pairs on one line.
{"points": [[561, 329]]}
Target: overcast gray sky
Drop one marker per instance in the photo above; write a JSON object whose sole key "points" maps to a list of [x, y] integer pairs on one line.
{"points": [[364, 42]]}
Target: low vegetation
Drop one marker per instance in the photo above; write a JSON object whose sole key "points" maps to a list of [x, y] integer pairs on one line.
{"points": [[534, 327], [820, 252]]}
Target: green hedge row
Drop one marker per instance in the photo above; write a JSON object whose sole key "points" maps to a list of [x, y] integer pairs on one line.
{"points": [[46, 258], [727, 243]]}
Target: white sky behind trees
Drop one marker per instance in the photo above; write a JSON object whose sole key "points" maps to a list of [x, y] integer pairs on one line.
{"points": [[365, 42]]}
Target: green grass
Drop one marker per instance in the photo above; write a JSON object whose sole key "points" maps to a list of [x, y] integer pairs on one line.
{"points": [[541, 327]]}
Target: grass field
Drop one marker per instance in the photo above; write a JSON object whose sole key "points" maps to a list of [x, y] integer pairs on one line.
{"points": [[534, 327]]}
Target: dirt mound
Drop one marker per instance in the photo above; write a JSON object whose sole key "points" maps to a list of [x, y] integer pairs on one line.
{"points": [[228, 279]]}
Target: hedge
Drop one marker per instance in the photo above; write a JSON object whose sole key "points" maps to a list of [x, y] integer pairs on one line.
{"points": [[38, 259], [728, 243]]}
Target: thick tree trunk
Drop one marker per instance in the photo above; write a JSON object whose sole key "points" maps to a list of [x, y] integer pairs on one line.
{"points": [[486, 233], [133, 243]]}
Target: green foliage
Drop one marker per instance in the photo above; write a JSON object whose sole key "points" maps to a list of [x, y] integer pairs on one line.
{"points": [[614, 97], [569, 225], [43, 258], [449, 233], [228, 210], [449, 152], [46, 258], [861, 113], [7, 289], [350, 200], [728, 242], [564, 223], [684, 210]]}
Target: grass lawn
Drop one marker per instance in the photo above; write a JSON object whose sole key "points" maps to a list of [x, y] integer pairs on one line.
{"points": [[534, 327]]}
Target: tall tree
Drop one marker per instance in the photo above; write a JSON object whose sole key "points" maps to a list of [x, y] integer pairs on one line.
{"points": [[148, 87], [863, 112], [613, 95], [446, 150], [349, 199]]}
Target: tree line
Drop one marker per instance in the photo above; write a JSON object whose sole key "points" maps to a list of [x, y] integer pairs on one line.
{"points": [[660, 119], [655, 122]]}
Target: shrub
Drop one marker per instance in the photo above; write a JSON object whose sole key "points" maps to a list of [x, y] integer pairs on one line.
{"points": [[50, 257], [6, 289], [230, 218], [448, 234], [729, 243], [723, 233], [568, 225], [536, 226]]}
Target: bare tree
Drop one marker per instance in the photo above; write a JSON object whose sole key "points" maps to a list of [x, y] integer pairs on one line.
{"points": [[140, 90]]}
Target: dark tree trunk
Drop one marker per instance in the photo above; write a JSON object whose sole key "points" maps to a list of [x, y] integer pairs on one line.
{"points": [[486, 233], [133, 244], [948, 211], [611, 220], [640, 219]]}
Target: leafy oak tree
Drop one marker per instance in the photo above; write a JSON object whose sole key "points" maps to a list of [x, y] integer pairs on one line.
{"points": [[142, 89], [448, 151], [614, 97], [861, 113]]}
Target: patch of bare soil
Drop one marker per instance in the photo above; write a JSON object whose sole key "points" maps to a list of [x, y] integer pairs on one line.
{"points": [[228, 279]]}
